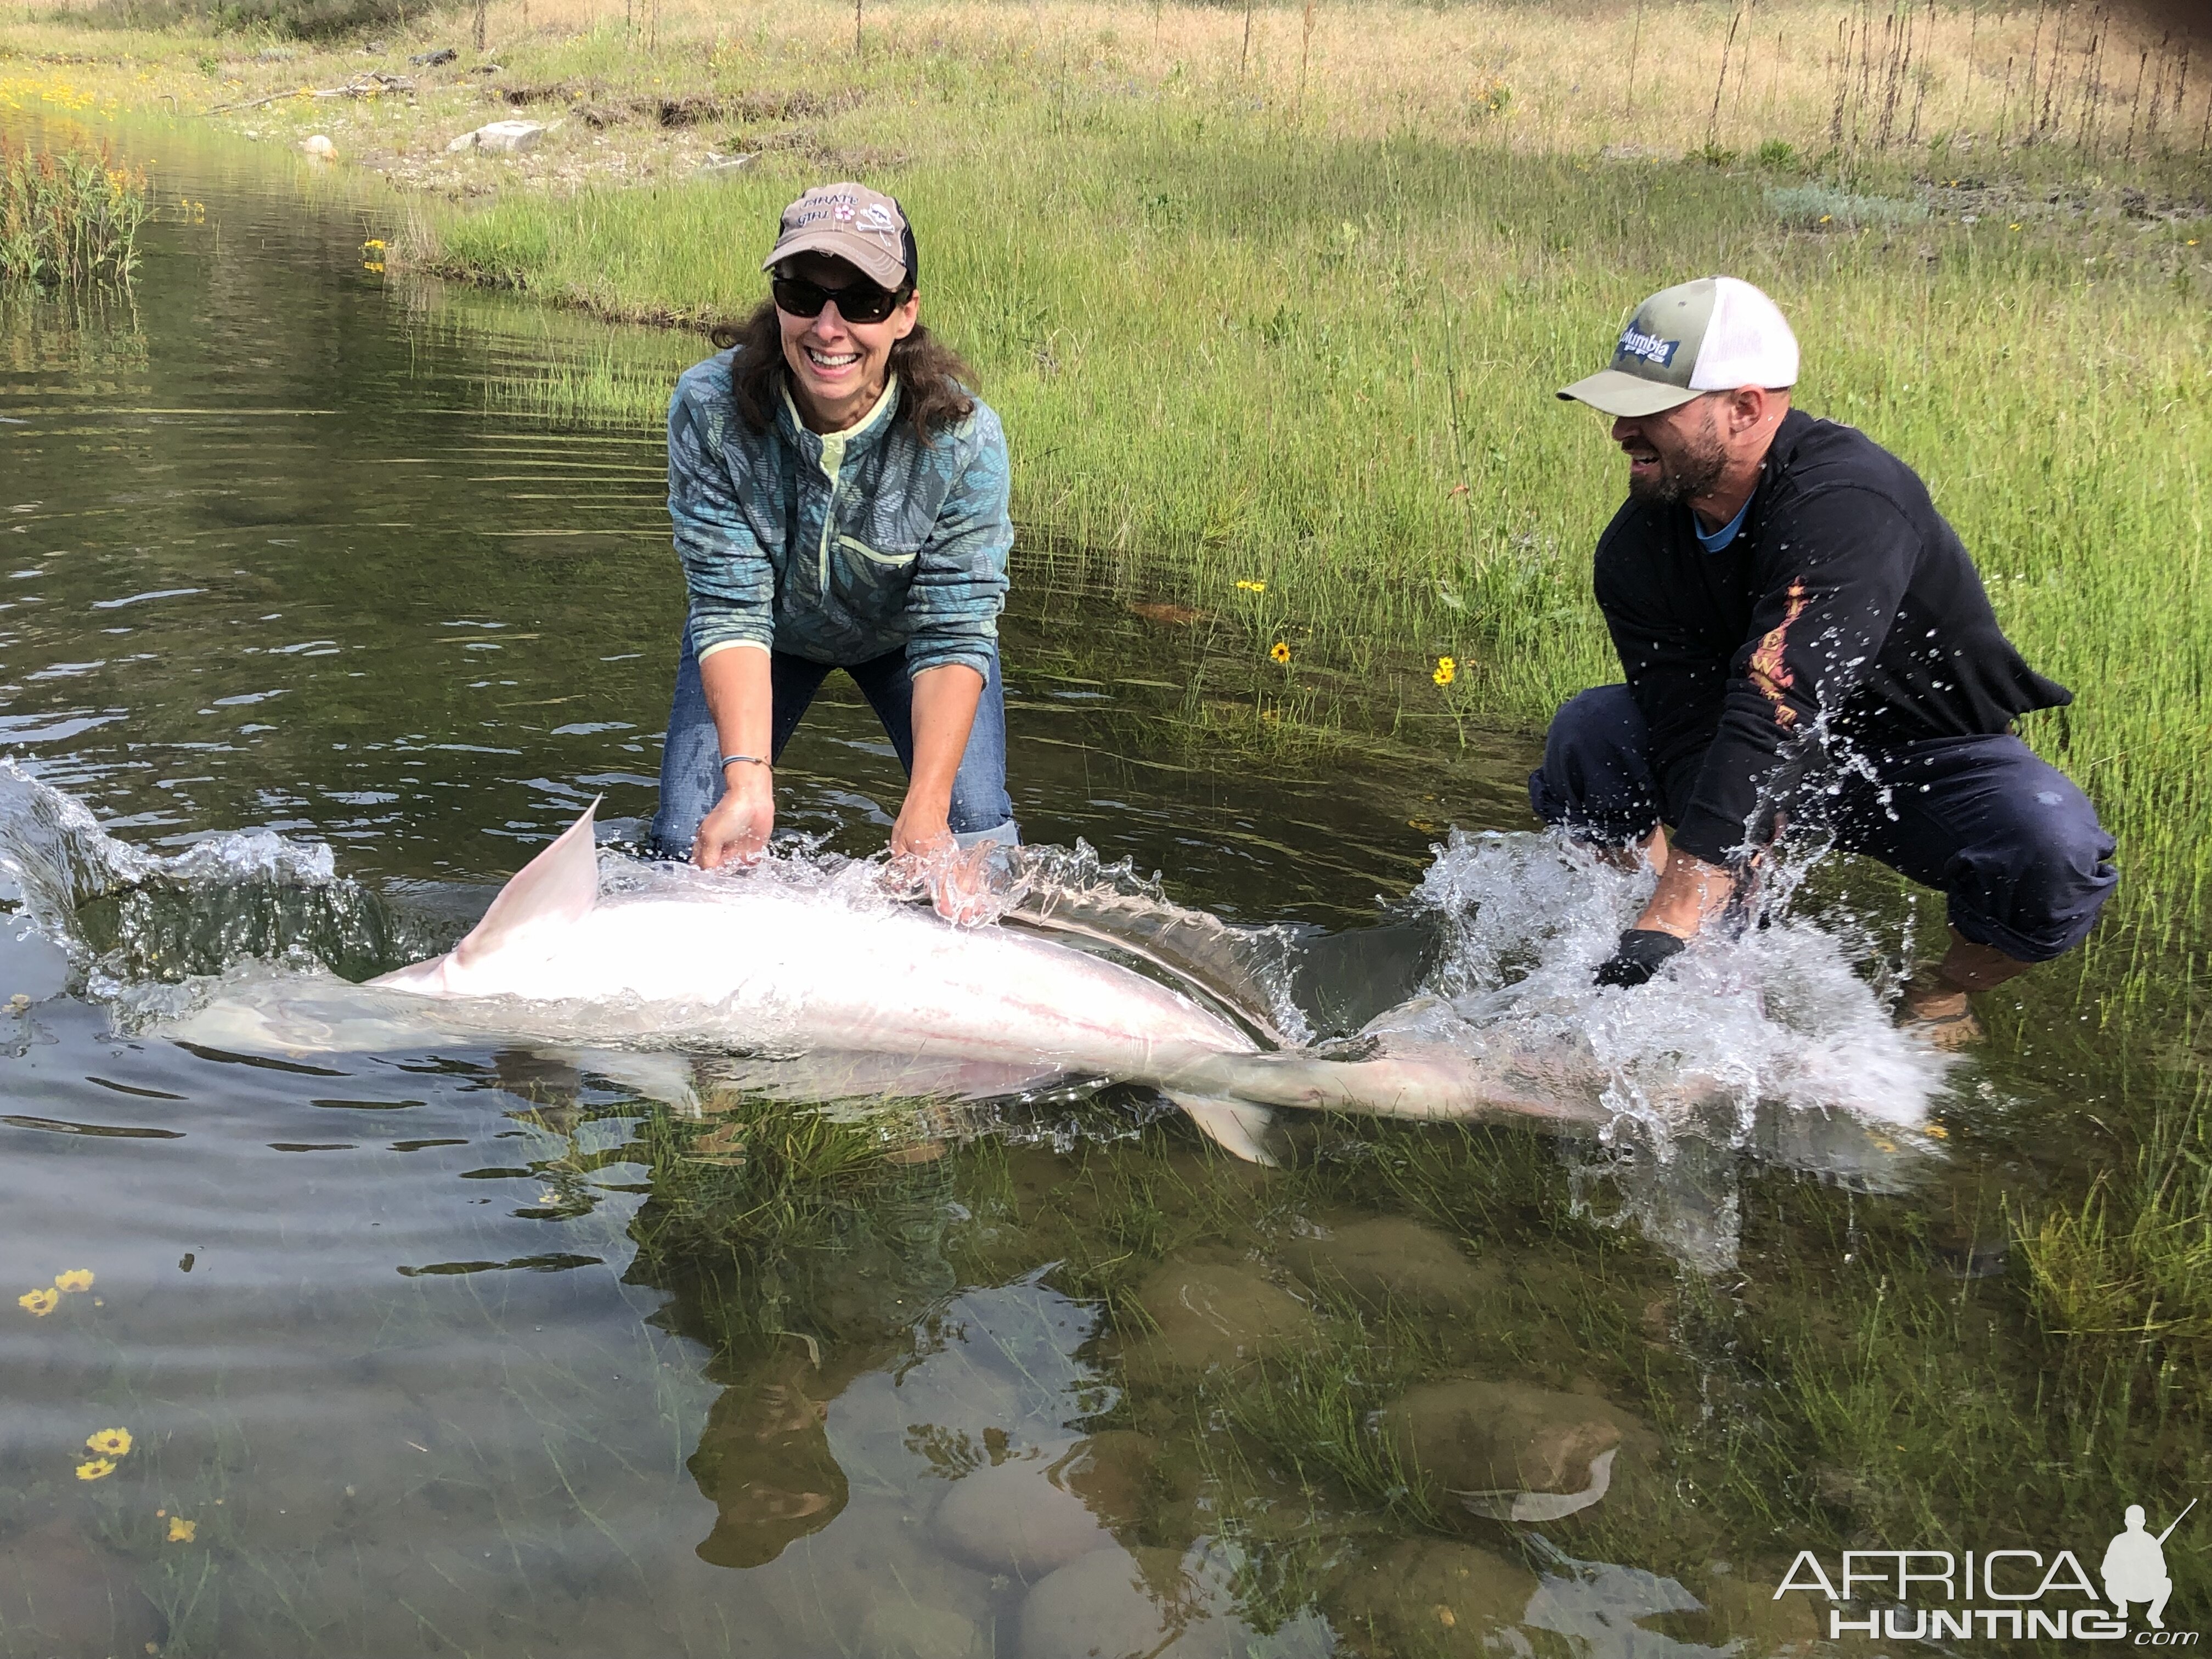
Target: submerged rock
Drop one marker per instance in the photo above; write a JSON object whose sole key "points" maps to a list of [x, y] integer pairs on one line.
{"points": [[1210, 1314], [1431, 1595], [1112, 1473], [874, 1576], [1110, 1604], [1389, 1262], [1739, 1610], [1511, 1451], [914, 1632], [1015, 1518]]}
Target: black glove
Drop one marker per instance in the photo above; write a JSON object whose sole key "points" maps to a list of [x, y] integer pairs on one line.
{"points": [[1642, 952]]}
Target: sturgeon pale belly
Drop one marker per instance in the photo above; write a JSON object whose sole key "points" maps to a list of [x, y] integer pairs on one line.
{"points": [[781, 972]]}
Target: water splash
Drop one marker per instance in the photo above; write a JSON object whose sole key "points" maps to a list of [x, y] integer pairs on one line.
{"points": [[1777, 1014], [128, 917], [1769, 1043]]}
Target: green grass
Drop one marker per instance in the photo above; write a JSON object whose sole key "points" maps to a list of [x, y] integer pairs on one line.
{"points": [[1223, 352], [67, 218]]}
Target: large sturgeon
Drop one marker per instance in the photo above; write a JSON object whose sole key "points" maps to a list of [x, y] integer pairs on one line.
{"points": [[752, 963], [667, 965]]}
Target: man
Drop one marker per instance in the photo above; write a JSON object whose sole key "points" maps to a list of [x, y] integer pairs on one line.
{"points": [[1805, 639]]}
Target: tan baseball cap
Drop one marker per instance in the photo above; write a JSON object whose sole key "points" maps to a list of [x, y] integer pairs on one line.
{"points": [[862, 227], [1712, 335]]}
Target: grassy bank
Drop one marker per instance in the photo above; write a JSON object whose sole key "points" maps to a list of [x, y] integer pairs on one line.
{"points": [[1238, 338]]}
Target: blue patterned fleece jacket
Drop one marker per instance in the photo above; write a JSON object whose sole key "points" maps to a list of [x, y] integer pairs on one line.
{"points": [[842, 547]]}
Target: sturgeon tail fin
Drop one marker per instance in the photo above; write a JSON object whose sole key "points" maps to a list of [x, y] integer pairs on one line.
{"points": [[1237, 1127], [560, 886]]}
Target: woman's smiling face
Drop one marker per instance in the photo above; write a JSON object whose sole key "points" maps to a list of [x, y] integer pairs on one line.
{"points": [[838, 368]]}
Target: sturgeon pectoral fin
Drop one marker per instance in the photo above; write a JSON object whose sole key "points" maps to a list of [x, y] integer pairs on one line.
{"points": [[1542, 1505], [560, 884], [669, 1079], [1237, 1127]]}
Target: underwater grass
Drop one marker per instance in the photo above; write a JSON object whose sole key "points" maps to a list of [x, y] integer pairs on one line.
{"points": [[1859, 1385]]}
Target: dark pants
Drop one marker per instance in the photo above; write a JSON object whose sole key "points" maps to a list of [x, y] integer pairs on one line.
{"points": [[690, 763], [2014, 846]]}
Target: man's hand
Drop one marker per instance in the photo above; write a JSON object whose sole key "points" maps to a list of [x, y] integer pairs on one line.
{"points": [[1641, 953], [738, 827], [1691, 892]]}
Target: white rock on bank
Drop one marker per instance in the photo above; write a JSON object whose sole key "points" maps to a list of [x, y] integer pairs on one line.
{"points": [[319, 147], [502, 137]]}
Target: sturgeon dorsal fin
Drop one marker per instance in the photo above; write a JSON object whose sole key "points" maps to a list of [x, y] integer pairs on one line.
{"points": [[560, 886]]}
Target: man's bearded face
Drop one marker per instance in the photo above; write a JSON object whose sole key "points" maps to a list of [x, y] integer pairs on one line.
{"points": [[1674, 457]]}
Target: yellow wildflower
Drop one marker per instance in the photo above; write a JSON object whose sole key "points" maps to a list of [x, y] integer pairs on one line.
{"points": [[2012, 227], [40, 1303], [1251, 587], [110, 1442], [1281, 652], [1827, 218], [373, 241], [76, 1279], [1447, 671], [98, 1469], [181, 1530]]}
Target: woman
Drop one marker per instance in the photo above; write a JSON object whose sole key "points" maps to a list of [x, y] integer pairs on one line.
{"points": [[840, 502]]}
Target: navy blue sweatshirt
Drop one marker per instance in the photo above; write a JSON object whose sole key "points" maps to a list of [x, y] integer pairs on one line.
{"points": [[1845, 603]]}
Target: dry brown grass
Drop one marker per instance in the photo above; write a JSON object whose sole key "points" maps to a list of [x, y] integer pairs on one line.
{"points": [[1665, 75], [1669, 76]]}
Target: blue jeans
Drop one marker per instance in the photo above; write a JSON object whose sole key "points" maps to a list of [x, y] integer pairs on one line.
{"points": [[690, 764], [2005, 835]]}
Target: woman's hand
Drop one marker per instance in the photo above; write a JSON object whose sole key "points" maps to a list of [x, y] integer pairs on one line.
{"points": [[956, 878], [738, 827]]}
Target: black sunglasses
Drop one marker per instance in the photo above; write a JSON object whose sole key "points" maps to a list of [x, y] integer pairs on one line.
{"points": [[857, 302]]}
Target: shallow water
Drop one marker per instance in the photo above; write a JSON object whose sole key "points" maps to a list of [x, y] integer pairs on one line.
{"points": [[475, 1348]]}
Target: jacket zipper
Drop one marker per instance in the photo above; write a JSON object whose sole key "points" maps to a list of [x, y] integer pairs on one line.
{"points": [[833, 463]]}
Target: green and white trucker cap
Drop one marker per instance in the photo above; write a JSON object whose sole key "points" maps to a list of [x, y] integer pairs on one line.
{"points": [[1713, 334]]}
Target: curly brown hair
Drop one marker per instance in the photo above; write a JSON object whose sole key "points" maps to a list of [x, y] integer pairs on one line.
{"points": [[934, 382]]}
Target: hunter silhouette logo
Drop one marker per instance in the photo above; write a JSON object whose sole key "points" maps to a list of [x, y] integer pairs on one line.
{"points": [[2023, 1594], [2135, 1566]]}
